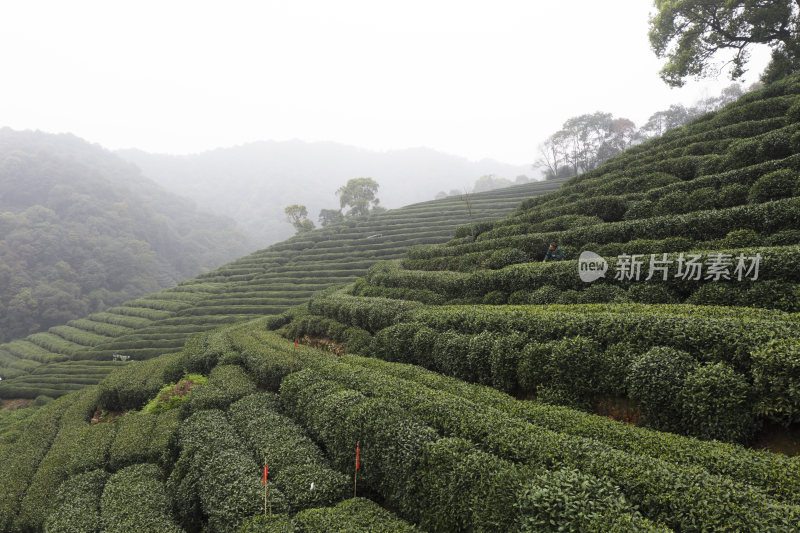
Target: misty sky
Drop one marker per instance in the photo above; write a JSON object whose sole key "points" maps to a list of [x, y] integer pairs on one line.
{"points": [[477, 79]]}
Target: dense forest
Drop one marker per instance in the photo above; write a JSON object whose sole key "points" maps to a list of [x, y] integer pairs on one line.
{"points": [[82, 230]]}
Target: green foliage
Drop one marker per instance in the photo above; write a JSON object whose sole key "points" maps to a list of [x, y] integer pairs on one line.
{"points": [[173, 395], [655, 381], [77, 504], [226, 384], [358, 194], [567, 500], [774, 186], [776, 374], [134, 500], [715, 403], [355, 515], [131, 387]]}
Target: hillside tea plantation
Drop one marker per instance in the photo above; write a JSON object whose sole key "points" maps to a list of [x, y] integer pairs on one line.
{"points": [[79, 353], [406, 382]]}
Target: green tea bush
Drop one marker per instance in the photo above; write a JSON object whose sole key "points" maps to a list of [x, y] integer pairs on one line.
{"points": [[355, 514], [134, 500], [716, 404], [647, 293], [131, 444], [311, 485], [776, 373], [567, 500], [655, 381], [76, 508], [92, 447], [773, 186], [226, 384]]}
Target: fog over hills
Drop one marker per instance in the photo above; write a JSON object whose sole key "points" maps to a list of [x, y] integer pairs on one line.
{"points": [[252, 183]]}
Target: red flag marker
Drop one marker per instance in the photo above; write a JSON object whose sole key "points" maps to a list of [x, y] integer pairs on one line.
{"points": [[295, 343], [357, 456], [264, 481]]}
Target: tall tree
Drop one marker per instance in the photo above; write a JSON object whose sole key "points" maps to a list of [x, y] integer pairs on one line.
{"points": [[298, 216], [690, 34], [358, 194], [330, 216]]}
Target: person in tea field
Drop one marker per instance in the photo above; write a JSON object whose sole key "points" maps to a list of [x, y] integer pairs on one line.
{"points": [[554, 253]]}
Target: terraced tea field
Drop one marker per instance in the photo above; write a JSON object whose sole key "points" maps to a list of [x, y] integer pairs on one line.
{"points": [[266, 282]]}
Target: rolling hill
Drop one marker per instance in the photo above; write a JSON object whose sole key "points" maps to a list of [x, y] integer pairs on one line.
{"points": [[70, 356], [452, 387], [82, 230]]}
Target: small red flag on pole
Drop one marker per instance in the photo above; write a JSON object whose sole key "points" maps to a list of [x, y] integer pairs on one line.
{"points": [[264, 481], [358, 465], [295, 343]]}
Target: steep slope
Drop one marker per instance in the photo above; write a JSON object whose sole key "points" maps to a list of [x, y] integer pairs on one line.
{"points": [[693, 327], [252, 183], [200, 422], [268, 281], [82, 230]]}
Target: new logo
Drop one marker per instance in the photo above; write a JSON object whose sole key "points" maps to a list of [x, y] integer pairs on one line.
{"points": [[591, 266]]}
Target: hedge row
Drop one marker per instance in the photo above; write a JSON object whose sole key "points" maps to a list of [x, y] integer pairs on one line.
{"points": [[406, 462], [215, 480], [766, 218], [295, 462], [776, 474], [685, 498], [39, 497], [134, 500], [76, 507], [131, 387]]}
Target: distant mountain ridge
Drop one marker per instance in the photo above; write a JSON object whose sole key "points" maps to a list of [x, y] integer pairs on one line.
{"points": [[253, 182]]}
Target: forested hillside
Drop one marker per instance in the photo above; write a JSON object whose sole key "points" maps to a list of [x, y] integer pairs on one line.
{"points": [[454, 387], [82, 230]]}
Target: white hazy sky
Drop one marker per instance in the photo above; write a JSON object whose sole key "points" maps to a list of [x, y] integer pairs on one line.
{"points": [[479, 79]]}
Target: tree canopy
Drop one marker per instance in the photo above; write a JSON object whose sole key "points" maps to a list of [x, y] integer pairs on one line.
{"points": [[692, 34], [358, 194], [298, 216]]}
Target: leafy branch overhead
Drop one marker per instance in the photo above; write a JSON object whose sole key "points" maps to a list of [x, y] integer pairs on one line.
{"points": [[691, 34]]}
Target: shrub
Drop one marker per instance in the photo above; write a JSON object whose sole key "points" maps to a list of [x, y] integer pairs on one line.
{"points": [[504, 360], [773, 186], [701, 199], [449, 351], [77, 504], [776, 373], [716, 404], [775, 145], [356, 340], [566, 500], [545, 295], [648, 293], [655, 381], [356, 514], [134, 500], [784, 238], [520, 297], [715, 294], [230, 490], [131, 444], [495, 298], [500, 258], [602, 293], [226, 384], [732, 195], [741, 238], [295, 483], [92, 447]]}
